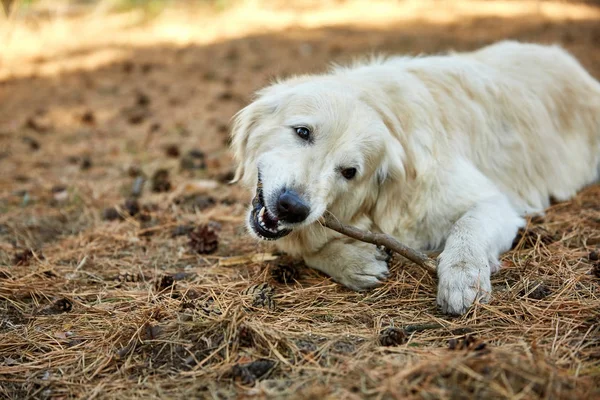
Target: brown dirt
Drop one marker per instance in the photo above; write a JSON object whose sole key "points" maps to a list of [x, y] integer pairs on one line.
{"points": [[126, 308]]}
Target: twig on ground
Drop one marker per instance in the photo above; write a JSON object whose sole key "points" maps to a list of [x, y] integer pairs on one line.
{"points": [[381, 239], [421, 327]]}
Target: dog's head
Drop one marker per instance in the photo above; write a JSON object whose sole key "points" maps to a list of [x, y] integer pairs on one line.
{"points": [[308, 145]]}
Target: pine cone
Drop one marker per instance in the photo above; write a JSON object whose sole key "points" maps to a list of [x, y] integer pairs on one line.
{"points": [[253, 371], [284, 273], [63, 305], [536, 290], [467, 342], [262, 295], [596, 270], [245, 336], [204, 239], [127, 276], [23, 257], [160, 181], [165, 282], [392, 336]]}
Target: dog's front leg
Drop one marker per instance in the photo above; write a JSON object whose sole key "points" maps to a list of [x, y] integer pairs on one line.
{"points": [[356, 265], [471, 253]]}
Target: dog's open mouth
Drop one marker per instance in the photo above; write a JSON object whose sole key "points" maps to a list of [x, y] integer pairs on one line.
{"points": [[263, 223]]}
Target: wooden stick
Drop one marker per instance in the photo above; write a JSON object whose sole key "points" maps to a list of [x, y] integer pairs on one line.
{"points": [[381, 239]]}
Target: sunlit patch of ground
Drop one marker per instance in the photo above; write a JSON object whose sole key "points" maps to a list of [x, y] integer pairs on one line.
{"points": [[65, 37]]}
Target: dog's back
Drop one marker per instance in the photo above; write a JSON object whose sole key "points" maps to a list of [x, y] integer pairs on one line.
{"points": [[528, 116], [557, 116]]}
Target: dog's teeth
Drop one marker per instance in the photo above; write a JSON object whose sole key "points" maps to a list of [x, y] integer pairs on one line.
{"points": [[260, 219]]}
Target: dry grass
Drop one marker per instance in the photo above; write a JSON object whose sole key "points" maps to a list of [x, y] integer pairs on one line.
{"points": [[92, 312]]}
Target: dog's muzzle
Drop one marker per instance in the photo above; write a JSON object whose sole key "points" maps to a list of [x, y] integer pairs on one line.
{"points": [[263, 223]]}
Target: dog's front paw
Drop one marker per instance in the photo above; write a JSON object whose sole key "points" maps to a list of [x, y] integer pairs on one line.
{"points": [[462, 281], [358, 266], [365, 270], [365, 276]]}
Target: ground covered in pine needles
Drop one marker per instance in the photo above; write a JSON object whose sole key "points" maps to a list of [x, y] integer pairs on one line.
{"points": [[125, 270]]}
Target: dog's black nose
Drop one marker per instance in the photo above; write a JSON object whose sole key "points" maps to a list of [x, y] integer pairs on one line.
{"points": [[291, 208]]}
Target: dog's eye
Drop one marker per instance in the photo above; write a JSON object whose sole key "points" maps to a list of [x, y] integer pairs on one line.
{"points": [[303, 132], [349, 173]]}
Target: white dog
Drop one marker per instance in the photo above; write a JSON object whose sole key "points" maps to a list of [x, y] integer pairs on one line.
{"points": [[442, 152]]}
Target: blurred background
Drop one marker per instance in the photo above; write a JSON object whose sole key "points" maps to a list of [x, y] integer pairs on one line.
{"points": [[92, 88], [53, 33], [199, 61], [116, 82]]}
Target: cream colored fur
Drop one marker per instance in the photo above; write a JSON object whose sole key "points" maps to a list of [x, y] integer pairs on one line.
{"points": [[451, 151]]}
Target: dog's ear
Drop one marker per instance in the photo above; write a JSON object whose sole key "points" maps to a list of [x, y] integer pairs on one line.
{"points": [[244, 123], [396, 164], [382, 175], [386, 172]]}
